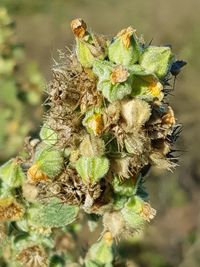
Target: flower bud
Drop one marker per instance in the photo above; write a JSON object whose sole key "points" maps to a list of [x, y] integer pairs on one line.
{"points": [[88, 45], [136, 212], [125, 49], [114, 81], [157, 60]]}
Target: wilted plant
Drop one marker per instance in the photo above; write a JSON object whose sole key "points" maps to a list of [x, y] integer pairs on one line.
{"points": [[108, 122], [19, 95]]}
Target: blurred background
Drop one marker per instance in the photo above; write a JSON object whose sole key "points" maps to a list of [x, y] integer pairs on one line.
{"points": [[42, 27]]}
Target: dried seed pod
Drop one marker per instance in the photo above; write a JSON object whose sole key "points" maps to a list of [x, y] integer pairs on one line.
{"points": [[111, 114], [135, 113], [120, 167], [161, 162], [33, 256], [30, 191], [92, 146], [169, 118], [10, 209]]}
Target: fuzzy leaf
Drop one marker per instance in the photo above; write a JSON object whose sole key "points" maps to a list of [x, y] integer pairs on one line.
{"points": [[48, 135], [157, 60], [11, 173], [92, 169], [53, 214], [49, 160]]}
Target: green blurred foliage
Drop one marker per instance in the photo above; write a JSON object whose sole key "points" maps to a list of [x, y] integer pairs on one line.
{"points": [[20, 90]]}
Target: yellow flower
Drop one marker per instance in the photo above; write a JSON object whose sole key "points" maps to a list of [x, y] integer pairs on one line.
{"points": [[155, 88]]}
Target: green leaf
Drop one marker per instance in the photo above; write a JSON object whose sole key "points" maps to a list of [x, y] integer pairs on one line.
{"points": [[49, 160], [48, 135], [157, 60], [92, 169], [12, 174], [52, 214]]}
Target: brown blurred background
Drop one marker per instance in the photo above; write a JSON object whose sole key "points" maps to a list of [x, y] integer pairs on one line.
{"points": [[173, 239]]}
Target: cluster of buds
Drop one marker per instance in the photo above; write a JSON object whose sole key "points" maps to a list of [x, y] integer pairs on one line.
{"points": [[108, 122], [19, 94]]}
